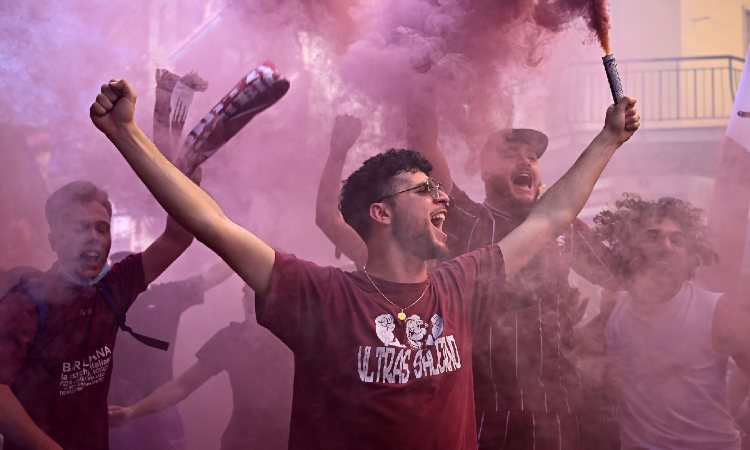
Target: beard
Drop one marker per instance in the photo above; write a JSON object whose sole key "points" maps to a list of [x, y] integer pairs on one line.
{"points": [[500, 189], [416, 235]]}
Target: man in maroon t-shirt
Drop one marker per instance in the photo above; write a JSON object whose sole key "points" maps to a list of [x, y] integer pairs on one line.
{"points": [[57, 331], [382, 355]]}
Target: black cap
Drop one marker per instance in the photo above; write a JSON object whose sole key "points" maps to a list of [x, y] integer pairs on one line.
{"points": [[533, 138]]}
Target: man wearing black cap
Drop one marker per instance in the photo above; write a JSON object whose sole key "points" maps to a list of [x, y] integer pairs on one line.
{"points": [[527, 392]]}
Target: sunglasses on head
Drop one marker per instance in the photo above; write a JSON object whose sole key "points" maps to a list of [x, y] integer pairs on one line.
{"points": [[430, 186]]}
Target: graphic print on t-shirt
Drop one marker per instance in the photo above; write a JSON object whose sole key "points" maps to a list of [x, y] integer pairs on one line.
{"points": [[424, 353], [80, 374]]}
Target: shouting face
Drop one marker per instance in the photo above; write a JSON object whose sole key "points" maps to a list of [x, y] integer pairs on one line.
{"points": [[418, 216], [511, 175], [81, 238]]}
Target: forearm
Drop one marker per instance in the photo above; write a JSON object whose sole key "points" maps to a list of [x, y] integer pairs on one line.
{"points": [[564, 200], [163, 397], [327, 215], [172, 392], [422, 136], [165, 250], [727, 219], [184, 201], [16, 425], [326, 205]]}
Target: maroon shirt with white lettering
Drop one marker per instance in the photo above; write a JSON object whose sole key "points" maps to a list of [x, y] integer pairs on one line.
{"points": [[61, 373], [365, 379]]}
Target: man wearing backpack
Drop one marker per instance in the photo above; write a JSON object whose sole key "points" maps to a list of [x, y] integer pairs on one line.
{"points": [[57, 330]]}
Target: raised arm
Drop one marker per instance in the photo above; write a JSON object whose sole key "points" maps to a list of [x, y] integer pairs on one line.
{"points": [[189, 205], [166, 395], [422, 136], [346, 131], [165, 250], [174, 240], [727, 218], [560, 205]]}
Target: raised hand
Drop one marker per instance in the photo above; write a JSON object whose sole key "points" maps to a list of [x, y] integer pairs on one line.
{"points": [[114, 107], [622, 120], [346, 131]]}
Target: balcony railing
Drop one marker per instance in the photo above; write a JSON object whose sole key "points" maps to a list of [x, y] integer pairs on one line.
{"points": [[697, 89]]}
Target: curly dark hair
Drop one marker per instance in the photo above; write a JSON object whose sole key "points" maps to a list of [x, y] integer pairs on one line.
{"points": [[373, 180], [618, 228], [75, 192]]}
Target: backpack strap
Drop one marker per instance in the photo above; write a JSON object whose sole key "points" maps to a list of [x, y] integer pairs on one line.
{"points": [[42, 312], [109, 299], [41, 305]]}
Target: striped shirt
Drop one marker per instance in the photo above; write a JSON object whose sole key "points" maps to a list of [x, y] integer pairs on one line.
{"points": [[522, 364]]}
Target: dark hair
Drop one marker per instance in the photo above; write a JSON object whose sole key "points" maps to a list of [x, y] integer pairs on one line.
{"points": [[79, 192], [618, 229], [372, 181]]}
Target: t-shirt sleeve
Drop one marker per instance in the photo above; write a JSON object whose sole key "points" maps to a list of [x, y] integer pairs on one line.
{"points": [[478, 278], [292, 308], [126, 280], [461, 219], [18, 328], [213, 354]]}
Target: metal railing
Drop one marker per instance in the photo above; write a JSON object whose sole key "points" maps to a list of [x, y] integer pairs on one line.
{"points": [[700, 88]]}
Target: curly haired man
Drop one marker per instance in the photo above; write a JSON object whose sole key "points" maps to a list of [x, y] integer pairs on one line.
{"points": [[667, 338]]}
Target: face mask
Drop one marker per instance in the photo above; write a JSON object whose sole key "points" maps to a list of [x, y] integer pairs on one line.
{"points": [[82, 282]]}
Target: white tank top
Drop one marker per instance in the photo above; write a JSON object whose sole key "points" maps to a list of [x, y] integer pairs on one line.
{"points": [[671, 383]]}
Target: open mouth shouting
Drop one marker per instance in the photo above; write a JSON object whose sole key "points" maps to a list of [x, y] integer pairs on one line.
{"points": [[523, 179], [91, 257], [437, 219]]}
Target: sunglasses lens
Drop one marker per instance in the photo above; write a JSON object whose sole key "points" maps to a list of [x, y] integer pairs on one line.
{"points": [[435, 188]]}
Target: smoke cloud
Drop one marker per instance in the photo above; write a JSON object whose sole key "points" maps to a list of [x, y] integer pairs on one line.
{"points": [[480, 65]]}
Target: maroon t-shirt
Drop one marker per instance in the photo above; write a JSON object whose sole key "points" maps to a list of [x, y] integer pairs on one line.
{"points": [[367, 380], [61, 373]]}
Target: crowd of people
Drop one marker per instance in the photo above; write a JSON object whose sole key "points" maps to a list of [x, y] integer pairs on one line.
{"points": [[457, 327]]}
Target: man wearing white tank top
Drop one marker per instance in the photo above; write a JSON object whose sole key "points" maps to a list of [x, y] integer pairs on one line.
{"points": [[667, 338]]}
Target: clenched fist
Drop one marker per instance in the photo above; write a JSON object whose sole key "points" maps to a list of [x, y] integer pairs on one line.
{"points": [[622, 120], [114, 107]]}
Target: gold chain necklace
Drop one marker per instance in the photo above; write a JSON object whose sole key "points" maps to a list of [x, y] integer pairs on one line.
{"points": [[401, 315]]}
